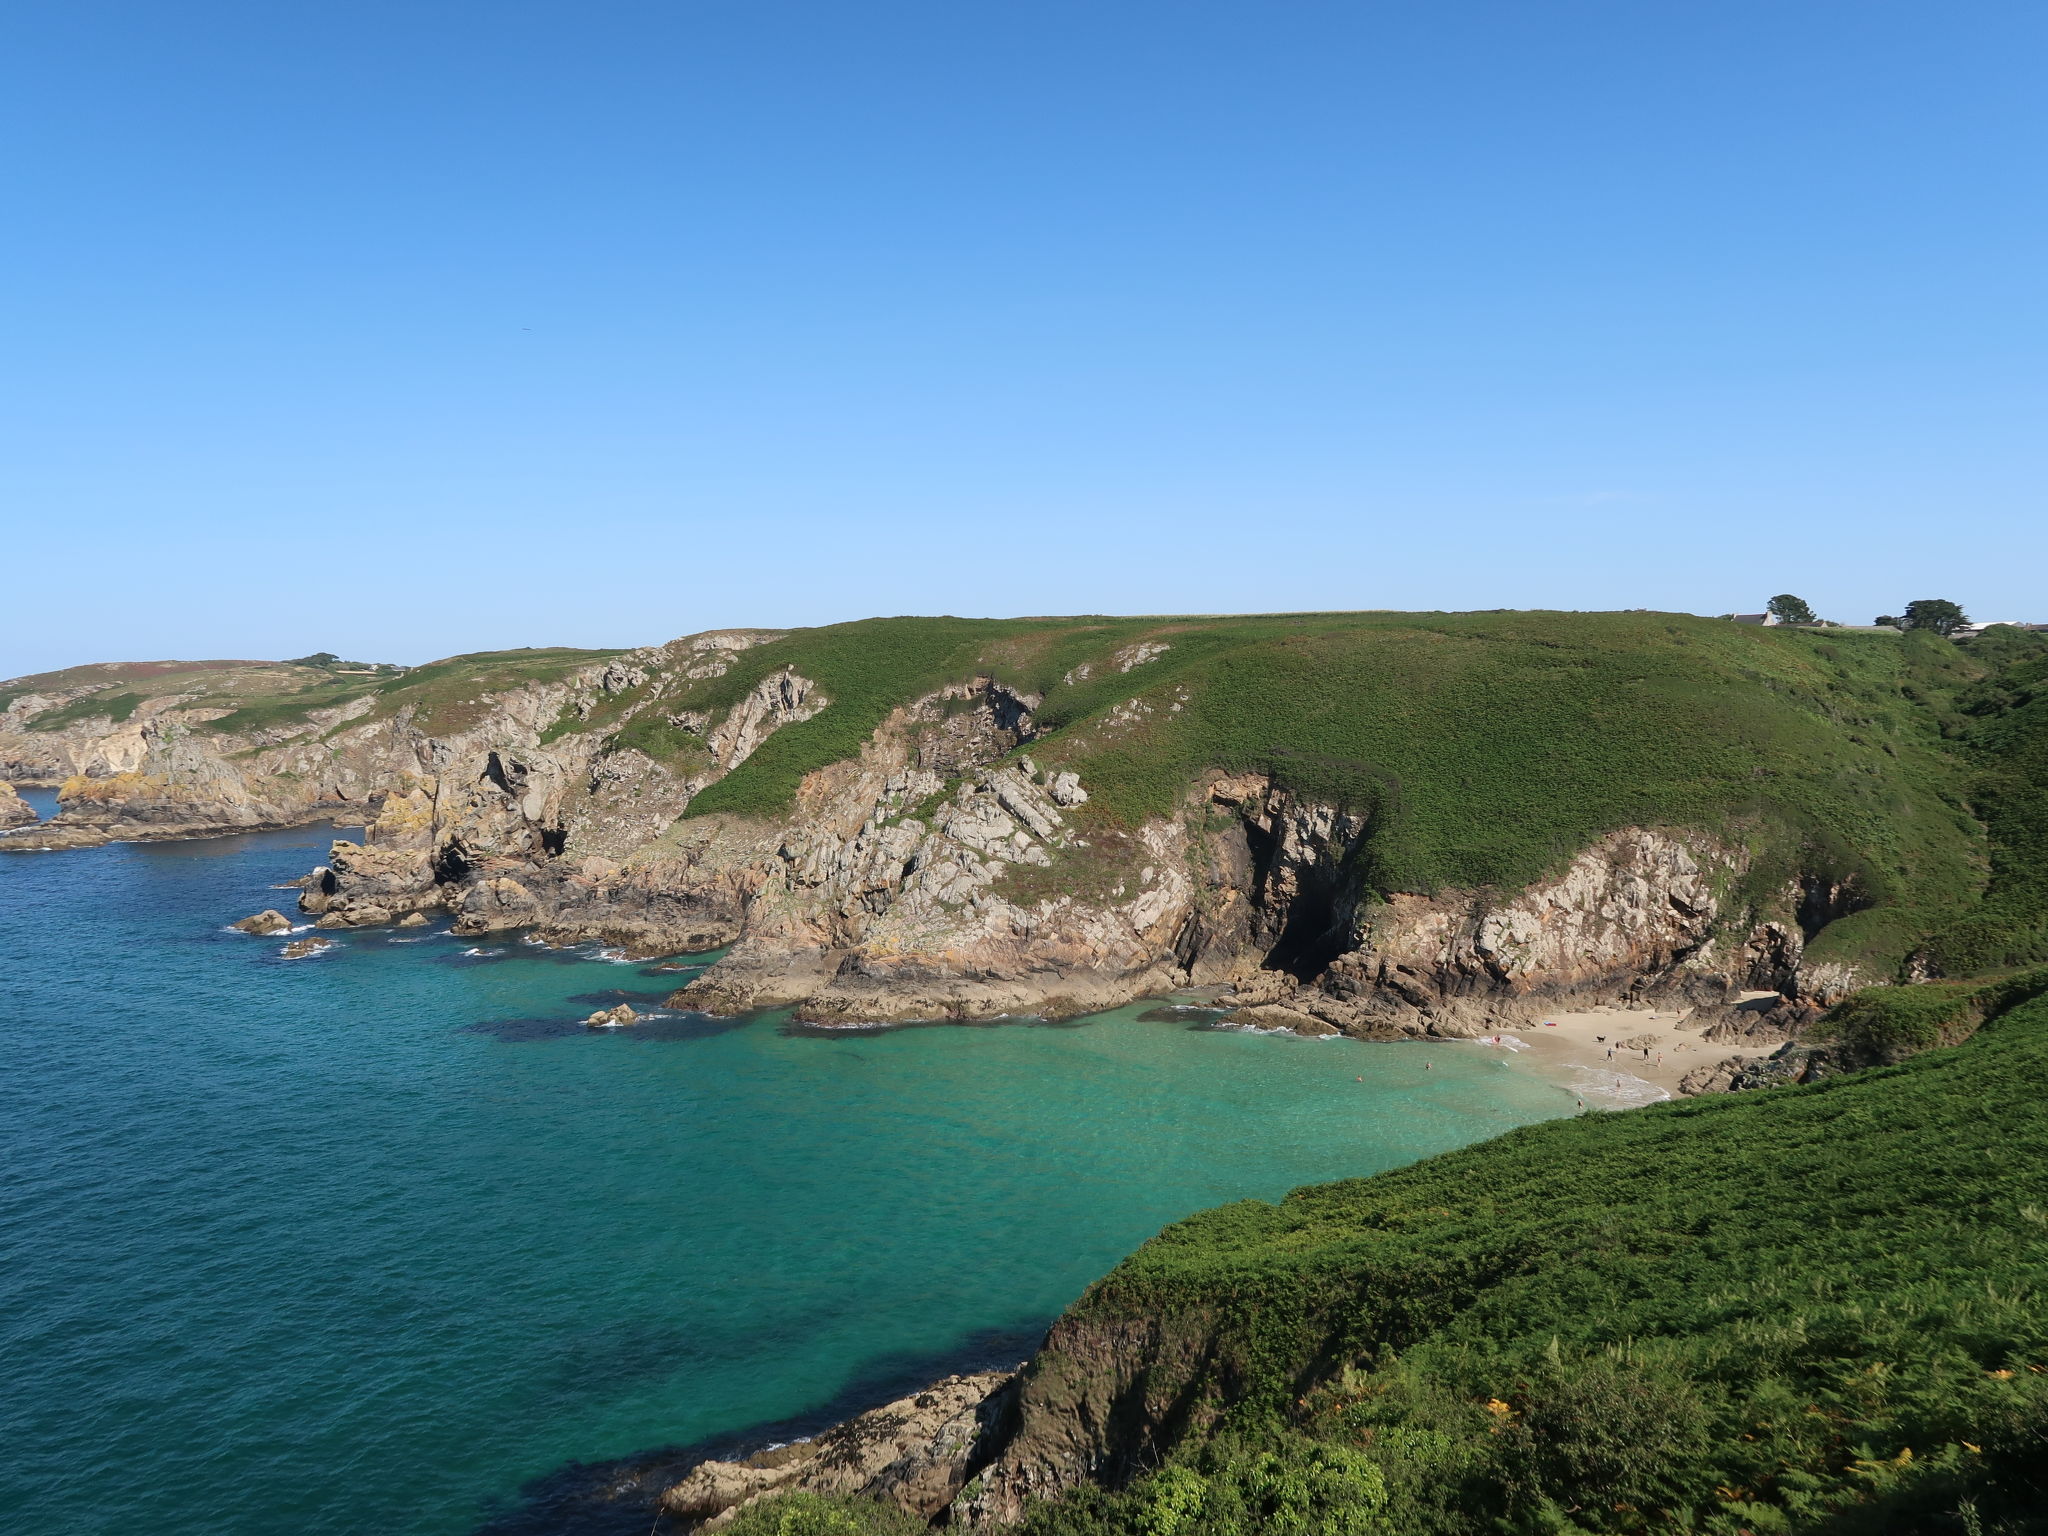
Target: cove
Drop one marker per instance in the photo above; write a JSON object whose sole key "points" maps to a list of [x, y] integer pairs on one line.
{"points": [[375, 1240]]}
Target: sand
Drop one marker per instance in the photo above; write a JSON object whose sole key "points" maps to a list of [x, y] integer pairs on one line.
{"points": [[1571, 1046]]}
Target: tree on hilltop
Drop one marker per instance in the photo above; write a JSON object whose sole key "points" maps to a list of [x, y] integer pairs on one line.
{"points": [[1791, 610], [1937, 614]]}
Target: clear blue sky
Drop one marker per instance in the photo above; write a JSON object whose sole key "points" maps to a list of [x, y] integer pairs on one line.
{"points": [[401, 329]]}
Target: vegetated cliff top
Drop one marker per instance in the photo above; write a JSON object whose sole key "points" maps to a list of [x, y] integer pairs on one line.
{"points": [[1488, 747], [258, 695], [1491, 747]]}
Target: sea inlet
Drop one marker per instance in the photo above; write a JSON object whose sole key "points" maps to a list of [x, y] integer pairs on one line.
{"points": [[383, 1239]]}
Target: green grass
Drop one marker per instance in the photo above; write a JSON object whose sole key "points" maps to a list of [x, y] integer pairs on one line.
{"points": [[866, 669], [1806, 1309], [1488, 749], [282, 709], [448, 696], [114, 707], [2004, 723]]}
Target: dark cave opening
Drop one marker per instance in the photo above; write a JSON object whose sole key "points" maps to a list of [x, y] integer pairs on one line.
{"points": [[1306, 911]]}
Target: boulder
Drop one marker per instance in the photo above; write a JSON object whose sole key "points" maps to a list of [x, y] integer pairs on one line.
{"points": [[1274, 1016], [612, 1018], [413, 920], [298, 949], [269, 920]]}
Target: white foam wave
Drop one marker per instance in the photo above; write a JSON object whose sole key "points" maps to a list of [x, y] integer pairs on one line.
{"points": [[1615, 1090]]}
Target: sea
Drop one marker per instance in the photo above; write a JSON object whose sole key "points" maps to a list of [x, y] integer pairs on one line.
{"points": [[385, 1240]]}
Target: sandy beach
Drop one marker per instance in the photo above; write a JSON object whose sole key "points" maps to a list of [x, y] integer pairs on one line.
{"points": [[1587, 1052]]}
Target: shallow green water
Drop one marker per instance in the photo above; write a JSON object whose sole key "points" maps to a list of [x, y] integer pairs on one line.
{"points": [[298, 1247]]}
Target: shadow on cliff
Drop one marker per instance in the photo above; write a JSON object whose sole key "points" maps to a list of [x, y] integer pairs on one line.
{"points": [[616, 1498]]}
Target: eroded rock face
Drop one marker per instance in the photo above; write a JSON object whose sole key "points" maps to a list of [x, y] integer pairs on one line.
{"points": [[916, 1453], [939, 873], [15, 811]]}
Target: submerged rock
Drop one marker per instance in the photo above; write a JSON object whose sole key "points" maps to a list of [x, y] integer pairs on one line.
{"points": [[298, 949], [269, 920]]}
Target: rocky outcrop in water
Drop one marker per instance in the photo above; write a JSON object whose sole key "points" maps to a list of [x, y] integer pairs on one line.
{"points": [[15, 811], [916, 1453]]}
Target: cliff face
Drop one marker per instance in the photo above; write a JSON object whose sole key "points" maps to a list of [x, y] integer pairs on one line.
{"points": [[1029, 822]]}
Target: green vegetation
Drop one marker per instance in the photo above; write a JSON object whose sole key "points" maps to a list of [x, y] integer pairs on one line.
{"points": [[809, 1514], [2004, 726], [1486, 748], [114, 707], [327, 661], [1804, 1309], [866, 669], [1935, 613], [273, 711], [450, 696], [1791, 610]]}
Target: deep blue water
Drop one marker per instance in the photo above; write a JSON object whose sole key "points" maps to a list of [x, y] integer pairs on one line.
{"points": [[381, 1241]]}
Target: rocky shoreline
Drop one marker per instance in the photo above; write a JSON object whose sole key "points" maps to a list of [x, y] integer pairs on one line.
{"points": [[937, 873]]}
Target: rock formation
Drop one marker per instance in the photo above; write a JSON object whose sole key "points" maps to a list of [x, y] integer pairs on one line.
{"points": [[14, 811], [939, 871], [917, 1453], [269, 920]]}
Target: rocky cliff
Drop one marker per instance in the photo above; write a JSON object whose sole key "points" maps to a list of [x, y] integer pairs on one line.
{"points": [[962, 819]]}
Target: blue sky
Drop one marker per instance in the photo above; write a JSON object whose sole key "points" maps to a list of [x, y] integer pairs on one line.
{"points": [[403, 329]]}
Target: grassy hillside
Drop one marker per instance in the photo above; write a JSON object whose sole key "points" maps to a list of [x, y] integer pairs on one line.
{"points": [[2005, 730], [1491, 747], [445, 696], [115, 690]]}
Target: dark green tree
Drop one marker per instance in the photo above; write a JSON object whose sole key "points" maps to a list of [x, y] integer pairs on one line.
{"points": [[1791, 610], [1889, 621], [1937, 614]]}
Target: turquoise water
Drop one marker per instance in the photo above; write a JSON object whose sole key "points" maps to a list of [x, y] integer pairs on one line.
{"points": [[380, 1241]]}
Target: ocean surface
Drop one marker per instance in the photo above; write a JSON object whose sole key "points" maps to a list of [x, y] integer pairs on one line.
{"points": [[383, 1241]]}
